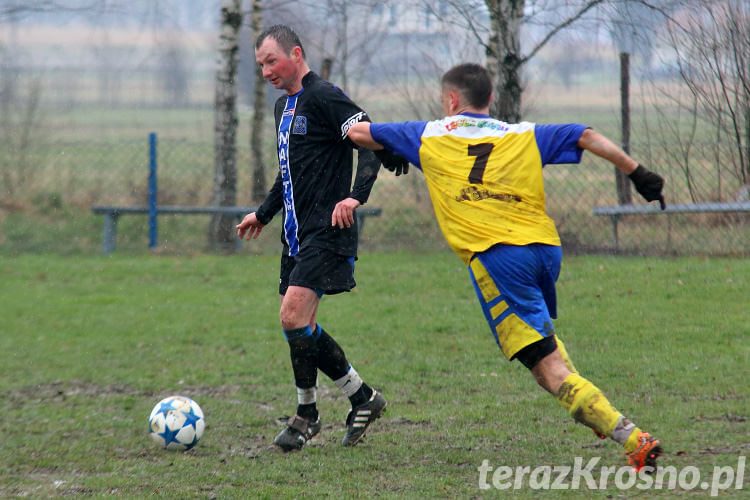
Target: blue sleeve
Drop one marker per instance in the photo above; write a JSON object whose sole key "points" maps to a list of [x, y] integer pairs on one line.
{"points": [[404, 138], [559, 143]]}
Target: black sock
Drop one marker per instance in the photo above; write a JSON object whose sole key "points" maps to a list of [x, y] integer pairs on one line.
{"points": [[331, 358], [362, 396], [304, 354], [308, 411]]}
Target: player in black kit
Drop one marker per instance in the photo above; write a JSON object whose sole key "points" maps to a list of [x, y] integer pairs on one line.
{"points": [[319, 236]]}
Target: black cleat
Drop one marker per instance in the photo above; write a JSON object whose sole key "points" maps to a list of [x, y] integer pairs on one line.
{"points": [[361, 417], [297, 432]]}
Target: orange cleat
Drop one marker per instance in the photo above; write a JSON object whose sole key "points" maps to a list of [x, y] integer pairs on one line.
{"points": [[646, 453]]}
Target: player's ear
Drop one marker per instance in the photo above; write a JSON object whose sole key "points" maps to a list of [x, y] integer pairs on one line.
{"points": [[297, 53], [454, 100]]}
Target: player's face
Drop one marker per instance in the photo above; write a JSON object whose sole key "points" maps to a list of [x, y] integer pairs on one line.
{"points": [[278, 67]]}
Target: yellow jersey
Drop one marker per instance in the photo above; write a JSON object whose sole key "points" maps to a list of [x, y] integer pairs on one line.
{"points": [[485, 176]]}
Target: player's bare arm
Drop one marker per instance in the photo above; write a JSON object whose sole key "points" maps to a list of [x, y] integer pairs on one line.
{"points": [[359, 133], [595, 142], [647, 183], [250, 227]]}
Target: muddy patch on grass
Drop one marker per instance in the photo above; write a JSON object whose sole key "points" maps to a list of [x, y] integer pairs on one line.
{"points": [[728, 417], [62, 390]]}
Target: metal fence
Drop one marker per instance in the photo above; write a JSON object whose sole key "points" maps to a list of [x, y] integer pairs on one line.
{"points": [[48, 189], [59, 157], [77, 103]]}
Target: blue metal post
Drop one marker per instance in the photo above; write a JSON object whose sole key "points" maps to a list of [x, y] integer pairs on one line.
{"points": [[152, 228]]}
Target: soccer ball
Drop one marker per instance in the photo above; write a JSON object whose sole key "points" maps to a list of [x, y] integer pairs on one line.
{"points": [[176, 423]]}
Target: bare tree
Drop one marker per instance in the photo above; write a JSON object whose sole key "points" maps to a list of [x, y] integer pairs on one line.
{"points": [[501, 38], [19, 125], [173, 74], [350, 36], [19, 8], [630, 25], [258, 189], [221, 232], [420, 41], [707, 45], [713, 56]]}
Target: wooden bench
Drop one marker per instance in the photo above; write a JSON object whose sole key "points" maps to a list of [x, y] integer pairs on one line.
{"points": [[112, 214], [617, 211]]}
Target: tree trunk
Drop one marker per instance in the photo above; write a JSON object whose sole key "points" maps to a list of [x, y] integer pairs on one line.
{"points": [[258, 190], [745, 175], [624, 195], [344, 46], [503, 57], [325, 70], [221, 231]]}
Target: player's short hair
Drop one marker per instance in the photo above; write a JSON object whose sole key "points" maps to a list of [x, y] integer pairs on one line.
{"points": [[472, 81], [284, 36]]}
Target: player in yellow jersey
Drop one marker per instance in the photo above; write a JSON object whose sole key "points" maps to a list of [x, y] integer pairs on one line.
{"points": [[485, 181]]}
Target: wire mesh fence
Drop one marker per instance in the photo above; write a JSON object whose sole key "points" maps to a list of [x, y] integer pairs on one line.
{"points": [[72, 137], [46, 203]]}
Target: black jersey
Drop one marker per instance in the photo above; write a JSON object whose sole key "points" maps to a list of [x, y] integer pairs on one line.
{"points": [[315, 167]]}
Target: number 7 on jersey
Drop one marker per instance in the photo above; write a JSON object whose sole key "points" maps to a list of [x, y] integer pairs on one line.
{"points": [[482, 152]]}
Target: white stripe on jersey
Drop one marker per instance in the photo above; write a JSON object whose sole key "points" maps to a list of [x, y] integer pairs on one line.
{"points": [[470, 127]]}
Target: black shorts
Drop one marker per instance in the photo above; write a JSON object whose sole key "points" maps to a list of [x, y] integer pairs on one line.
{"points": [[319, 269], [533, 353]]}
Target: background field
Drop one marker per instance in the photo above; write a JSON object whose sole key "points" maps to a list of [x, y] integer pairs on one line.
{"points": [[79, 100], [99, 156], [90, 344]]}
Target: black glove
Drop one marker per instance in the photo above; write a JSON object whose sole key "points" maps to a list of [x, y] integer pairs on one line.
{"points": [[648, 184], [393, 162]]}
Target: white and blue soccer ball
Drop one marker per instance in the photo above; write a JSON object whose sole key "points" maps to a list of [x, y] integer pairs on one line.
{"points": [[176, 423]]}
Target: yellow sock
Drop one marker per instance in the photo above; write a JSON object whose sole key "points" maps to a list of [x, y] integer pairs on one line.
{"points": [[632, 443], [564, 354], [587, 405]]}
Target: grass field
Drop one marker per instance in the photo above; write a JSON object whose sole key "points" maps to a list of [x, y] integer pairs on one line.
{"points": [[90, 344]]}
